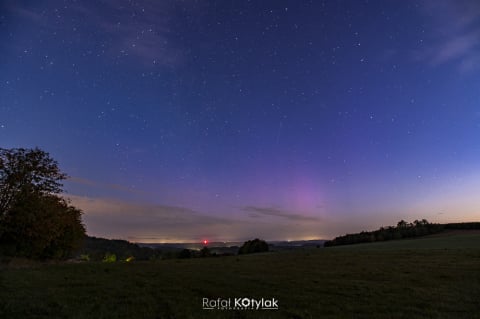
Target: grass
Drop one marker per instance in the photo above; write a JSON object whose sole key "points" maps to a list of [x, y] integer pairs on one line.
{"points": [[435, 277]]}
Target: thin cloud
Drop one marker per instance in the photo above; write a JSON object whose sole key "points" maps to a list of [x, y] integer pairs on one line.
{"points": [[141, 30], [454, 34], [144, 32], [456, 48], [36, 16], [120, 219], [106, 186], [255, 212]]}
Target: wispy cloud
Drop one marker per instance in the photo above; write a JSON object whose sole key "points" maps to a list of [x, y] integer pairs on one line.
{"points": [[141, 30], [114, 218], [454, 34], [106, 186], [456, 48], [36, 16], [268, 211], [120, 219]]}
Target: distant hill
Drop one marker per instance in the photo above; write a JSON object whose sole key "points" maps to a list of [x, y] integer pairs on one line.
{"points": [[448, 239], [471, 225], [96, 249], [403, 230], [193, 246], [295, 244]]}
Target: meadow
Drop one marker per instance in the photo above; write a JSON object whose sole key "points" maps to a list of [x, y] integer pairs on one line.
{"points": [[431, 277]]}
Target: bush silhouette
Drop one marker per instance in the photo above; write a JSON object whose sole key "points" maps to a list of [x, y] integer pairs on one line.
{"points": [[205, 252], [110, 258], [185, 253], [253, 246]]}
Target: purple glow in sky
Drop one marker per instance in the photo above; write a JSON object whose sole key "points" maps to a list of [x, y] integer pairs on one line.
{"points": [[185, 120]]}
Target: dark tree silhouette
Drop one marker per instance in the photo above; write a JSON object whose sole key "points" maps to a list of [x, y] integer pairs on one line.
{"points": [[27, 170], [253, 246], [402, 224], [35, 222]]}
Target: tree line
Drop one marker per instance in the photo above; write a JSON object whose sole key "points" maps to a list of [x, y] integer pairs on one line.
{"points": [[402, 230]]}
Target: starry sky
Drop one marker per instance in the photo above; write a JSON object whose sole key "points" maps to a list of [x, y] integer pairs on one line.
{"points": [[230, 120]]}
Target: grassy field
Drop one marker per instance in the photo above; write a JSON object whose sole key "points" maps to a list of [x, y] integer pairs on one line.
{"points": [[434, 277]]}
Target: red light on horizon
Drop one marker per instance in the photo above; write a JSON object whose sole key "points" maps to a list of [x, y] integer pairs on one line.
{"points": [[205, 242]]}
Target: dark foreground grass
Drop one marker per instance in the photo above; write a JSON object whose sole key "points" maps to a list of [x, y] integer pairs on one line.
{"points": [[442, 281]]}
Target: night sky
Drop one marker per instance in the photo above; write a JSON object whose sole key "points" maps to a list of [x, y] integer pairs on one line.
{"points": [[230, 120]]}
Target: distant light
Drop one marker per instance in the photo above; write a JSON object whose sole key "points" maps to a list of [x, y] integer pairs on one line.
{"points": [[205, 242]]}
